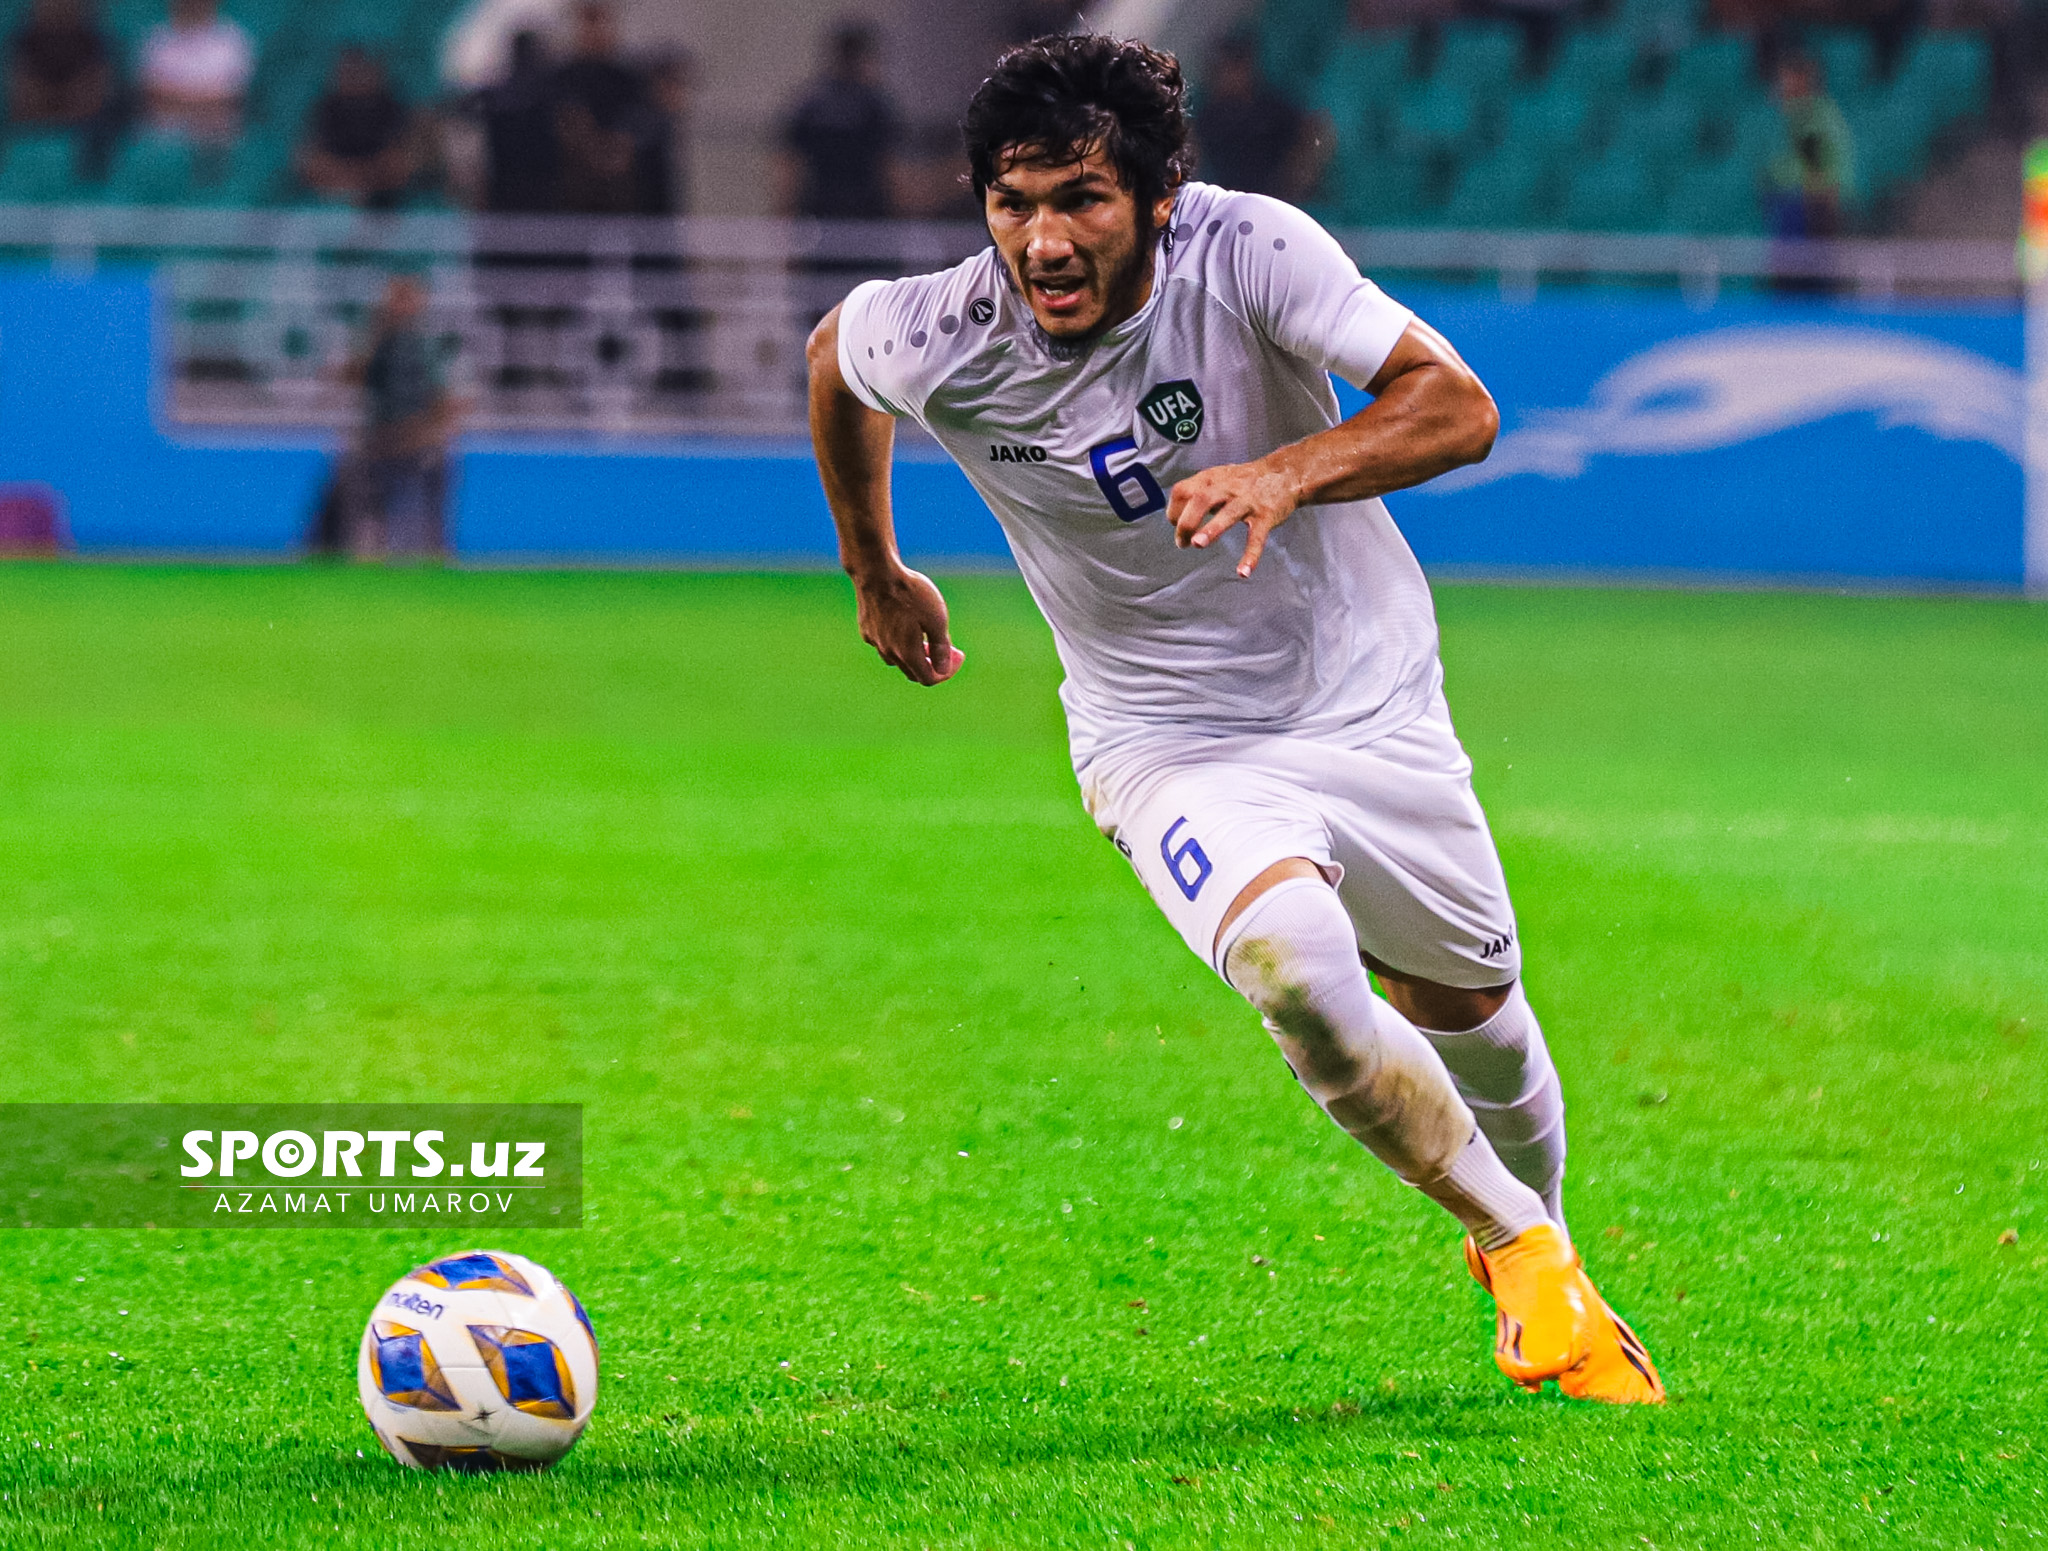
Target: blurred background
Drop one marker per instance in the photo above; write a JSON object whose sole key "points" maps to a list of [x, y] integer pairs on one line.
{"points": [[530, 278]]}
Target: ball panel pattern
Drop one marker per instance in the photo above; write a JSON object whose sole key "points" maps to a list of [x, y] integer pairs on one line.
{"points": [[528, 1369], [405, 1370], [478, 1272]]}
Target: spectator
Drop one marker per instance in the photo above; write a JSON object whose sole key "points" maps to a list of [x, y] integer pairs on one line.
{"points": [[522, 150], [195, 74], [359, 142], [60, 70], [661, 147], [839, 142], [600, 102], [1892, 25], [1812, 175], [1249, 137], [1541, 21], [1368, 15], [1044, 18], [391, 489]]}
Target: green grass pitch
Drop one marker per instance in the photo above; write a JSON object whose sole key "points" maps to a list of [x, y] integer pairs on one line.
{"points": [[939, 1196]]}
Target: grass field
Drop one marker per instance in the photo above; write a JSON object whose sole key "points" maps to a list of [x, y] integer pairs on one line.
{"points": [[901, 1097]]}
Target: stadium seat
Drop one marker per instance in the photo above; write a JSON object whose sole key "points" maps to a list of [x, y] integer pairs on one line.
{"points": [[39, 169], [1846, 59], [1379, 190], [1294, 36], [1435, 117], [1659, 26], [1952, 69], [1892, 136], [153, 170], [263, 18], [259, 172], [295, 43], [1614, 194], [1718, 70], [1755, 133], [1510, 188], [1715, 199], [1665, 130], [1359, 84], [1597, 64], [1478, 57], [131, 20], [1364, 61], [1552, 116], [375, 23]]}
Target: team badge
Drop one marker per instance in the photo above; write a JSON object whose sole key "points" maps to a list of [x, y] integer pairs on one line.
{"points": [[1174, 410]]}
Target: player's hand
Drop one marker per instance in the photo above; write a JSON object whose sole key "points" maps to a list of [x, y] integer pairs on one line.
{"points": [[1204, 506], [903, 617]]}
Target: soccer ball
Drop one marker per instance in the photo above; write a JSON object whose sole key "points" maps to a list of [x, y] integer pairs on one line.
{"points": [[477, 1362]]}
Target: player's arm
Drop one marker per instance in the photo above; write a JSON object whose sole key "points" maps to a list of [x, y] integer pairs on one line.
{"points": [[1429, 414], [902, 616]]}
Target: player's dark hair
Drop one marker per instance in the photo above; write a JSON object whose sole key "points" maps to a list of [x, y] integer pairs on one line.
{"points": [[1061, 96]]}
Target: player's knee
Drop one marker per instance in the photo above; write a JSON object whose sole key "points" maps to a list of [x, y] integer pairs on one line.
{"points": [[1290, 961], [1441, 1008], [1503, 1060], [1517, 1124], [1500, 1074]]}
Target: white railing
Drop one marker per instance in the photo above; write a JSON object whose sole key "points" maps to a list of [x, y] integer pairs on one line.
{"points": [[665, 327], [1882, 268]]}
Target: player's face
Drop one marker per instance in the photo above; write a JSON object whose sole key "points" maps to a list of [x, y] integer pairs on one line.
{"points": [[1073, 240]]}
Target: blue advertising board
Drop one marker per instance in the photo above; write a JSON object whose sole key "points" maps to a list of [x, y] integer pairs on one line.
{"points": [[1765, 437], [1756, 438]]}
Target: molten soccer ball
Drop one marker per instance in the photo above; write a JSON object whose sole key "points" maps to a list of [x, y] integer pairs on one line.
{"points": [[477, 1362]]}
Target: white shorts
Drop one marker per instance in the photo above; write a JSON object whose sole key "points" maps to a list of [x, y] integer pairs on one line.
{"points": [[1392, 822]]}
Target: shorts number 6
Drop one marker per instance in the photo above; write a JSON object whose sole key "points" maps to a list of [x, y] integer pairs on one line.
{"points": [[1189, 864]]}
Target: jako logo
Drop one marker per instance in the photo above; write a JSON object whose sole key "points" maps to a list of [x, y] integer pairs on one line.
{"points": [[413, 1303], [997, 453], [1729, 386]]}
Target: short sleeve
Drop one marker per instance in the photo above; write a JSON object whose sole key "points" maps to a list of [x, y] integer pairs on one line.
{"points": [[243, 53], [152, 67], [875, 353], [1302, 291]]}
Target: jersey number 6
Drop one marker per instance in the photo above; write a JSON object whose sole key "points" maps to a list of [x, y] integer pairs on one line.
{"points": [[1115, 486]]}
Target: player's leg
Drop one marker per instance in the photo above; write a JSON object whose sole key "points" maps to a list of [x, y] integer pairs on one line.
{"points": [[1289, 949], [1238, 858], [1423, 883], [1503, 1070], [1494, 1047]]}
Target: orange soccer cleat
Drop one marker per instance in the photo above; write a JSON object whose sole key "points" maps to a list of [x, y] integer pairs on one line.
{"points": [[1545, 1323], [1616, 1368]]}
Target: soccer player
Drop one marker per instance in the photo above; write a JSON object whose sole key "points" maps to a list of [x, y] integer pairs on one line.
{"points": [[1135, 379]]}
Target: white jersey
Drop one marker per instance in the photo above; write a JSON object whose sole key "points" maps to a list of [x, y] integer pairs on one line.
{"points": [[1074, 450]]}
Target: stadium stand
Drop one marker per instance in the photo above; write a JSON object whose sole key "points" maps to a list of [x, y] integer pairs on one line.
{"points": [[296, 42], [1642, 118], [1646, 119]]}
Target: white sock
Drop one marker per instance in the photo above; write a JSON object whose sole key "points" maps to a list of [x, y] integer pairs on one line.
{"points": [[1294, 956], [1504, 1072]]}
